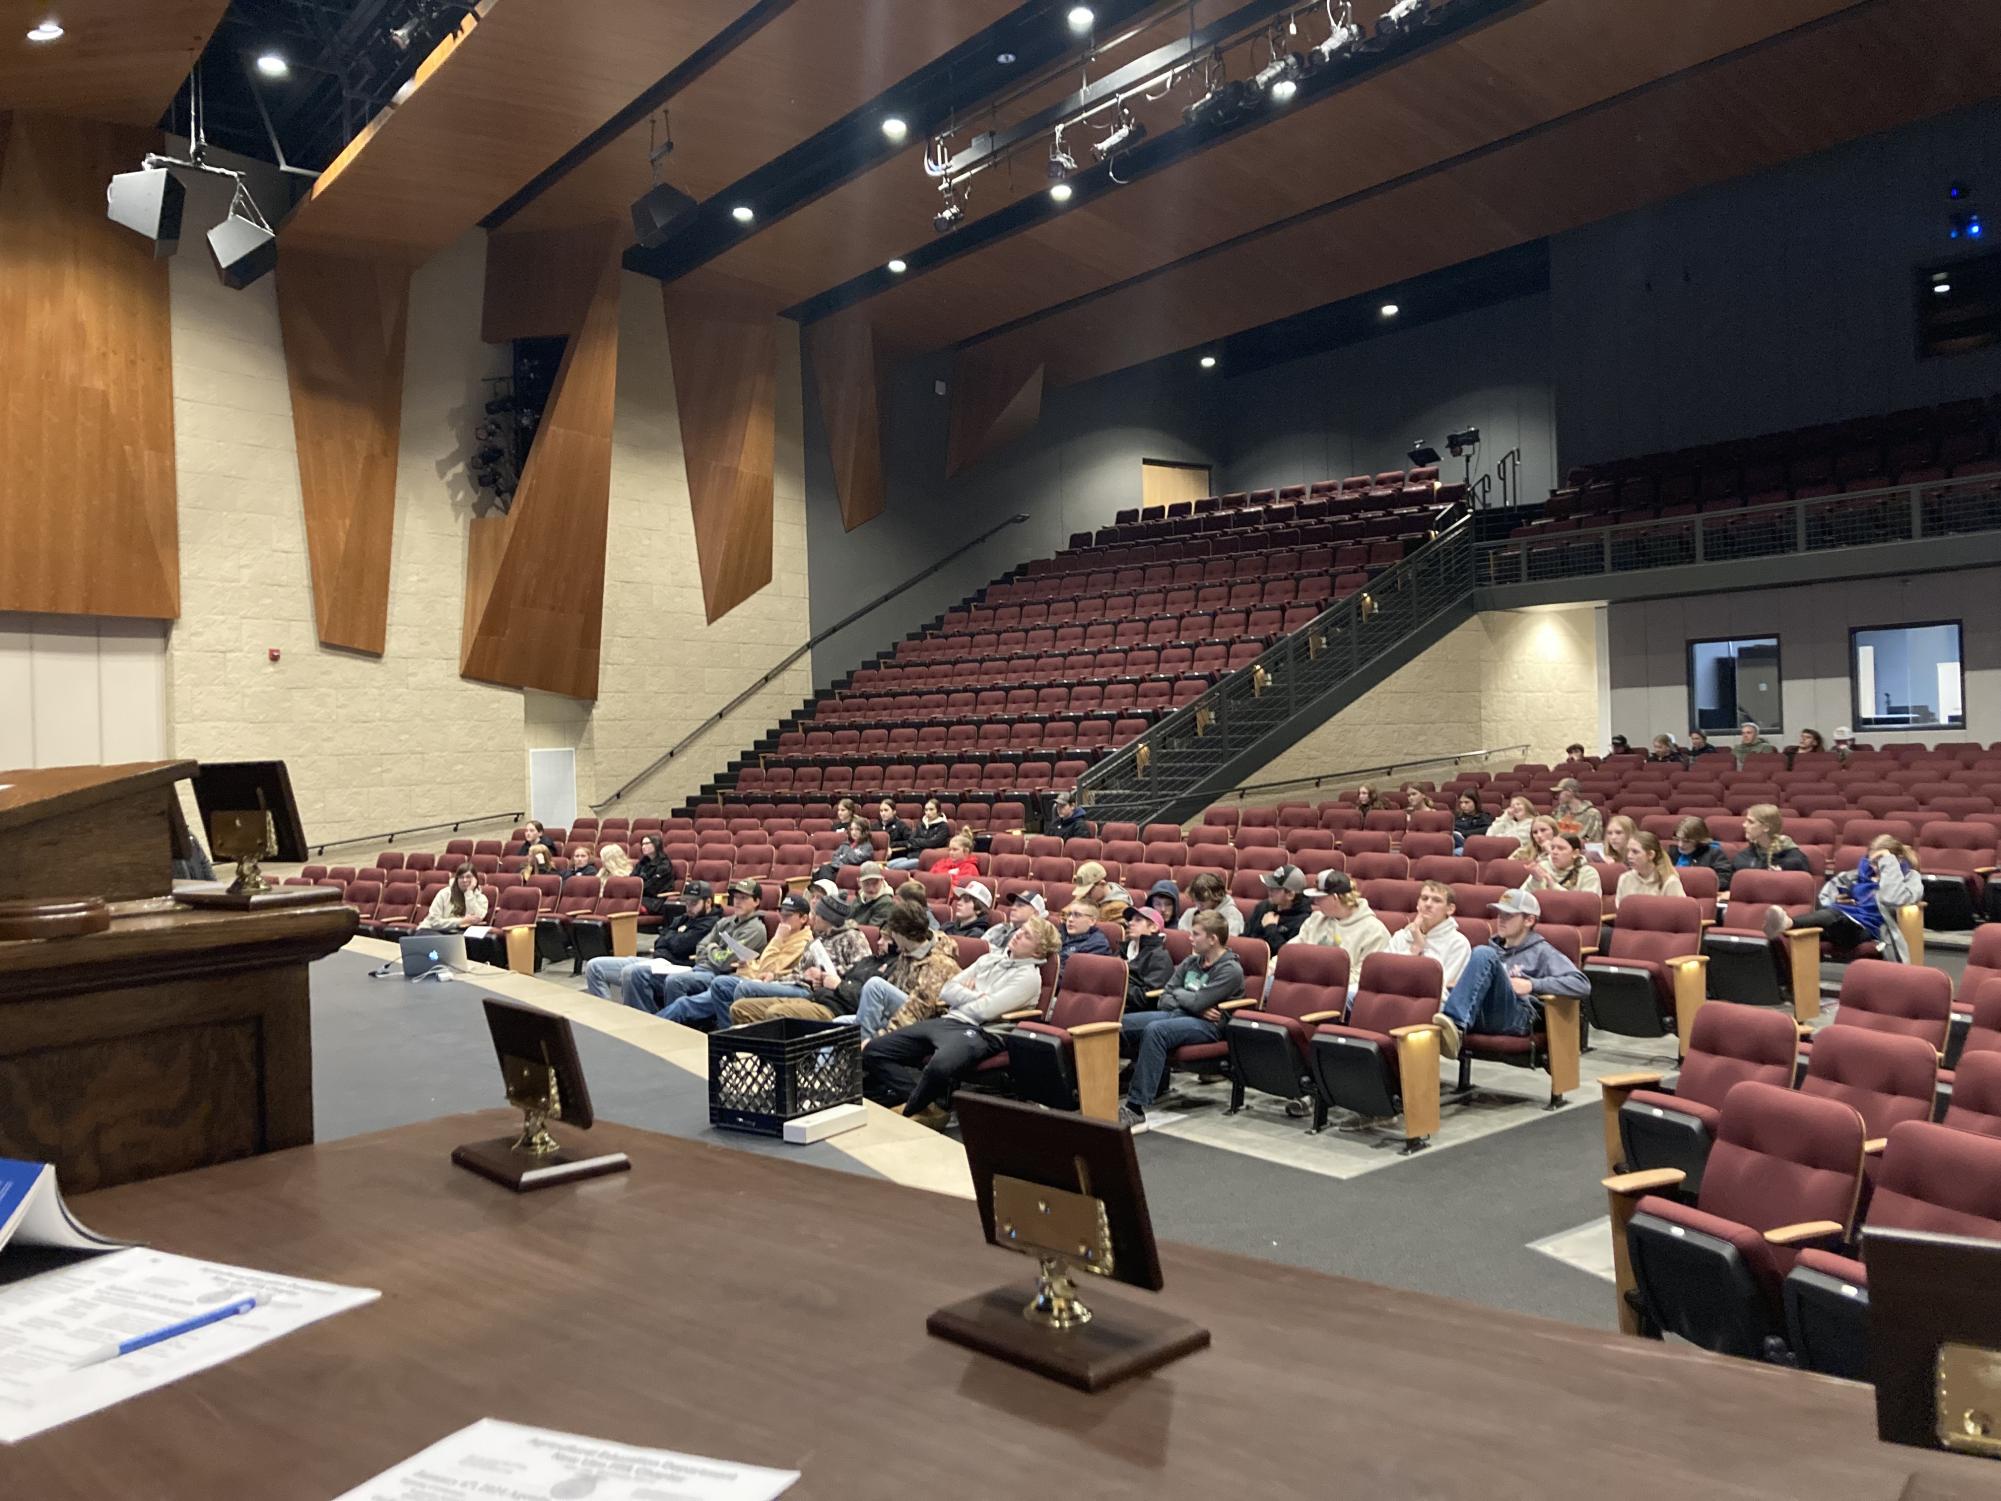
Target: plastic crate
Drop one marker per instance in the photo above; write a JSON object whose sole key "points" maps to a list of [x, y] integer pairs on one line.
{"points": [[763, 1074]]}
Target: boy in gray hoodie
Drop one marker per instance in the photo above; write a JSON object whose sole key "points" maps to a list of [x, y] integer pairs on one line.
{"points": [[1497, 992], [1188, 1012]]}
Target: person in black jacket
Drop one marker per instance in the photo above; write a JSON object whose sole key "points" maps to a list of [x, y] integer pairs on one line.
{"points": [[656, 874], [537, 833], [931, 833], [1188, 1010], [583, 862], [1693, 846], [895, 832], [1766, 846], [1277, 919], [1468, 817], [1066, 819], [676, 942], [1148, 964], [972, 911], [1081, 934]]}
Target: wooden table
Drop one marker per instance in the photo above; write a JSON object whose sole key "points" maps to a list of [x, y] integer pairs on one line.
{"points": [[753, 1309]]}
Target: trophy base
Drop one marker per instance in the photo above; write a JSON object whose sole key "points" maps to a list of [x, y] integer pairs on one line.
{"points": [[523, 1173], [1120, 1341], [257, 901]]}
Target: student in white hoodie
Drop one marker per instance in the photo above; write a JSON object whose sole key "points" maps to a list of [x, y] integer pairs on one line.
{"points": [[1342, 917], [1434, 934]]}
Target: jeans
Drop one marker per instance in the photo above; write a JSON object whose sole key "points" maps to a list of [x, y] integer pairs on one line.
{"points": [[1485, 1001], [1842, 930], [922, 1063], [903, 862], [603, 977], [712, 1002], [643, 990], [1152, 1035], [880, 1001]]}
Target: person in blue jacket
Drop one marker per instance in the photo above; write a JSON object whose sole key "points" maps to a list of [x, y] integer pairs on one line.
{"points": [[1498, 991]]}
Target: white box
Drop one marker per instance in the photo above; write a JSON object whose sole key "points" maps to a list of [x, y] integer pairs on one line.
{"points": [[822, 1124]]}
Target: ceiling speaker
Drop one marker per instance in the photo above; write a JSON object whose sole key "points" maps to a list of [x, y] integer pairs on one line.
{"points": [[148, 201], [660, 211], [243, 251]]}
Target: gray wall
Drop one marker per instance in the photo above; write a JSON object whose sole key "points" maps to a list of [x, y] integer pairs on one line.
{"points": [[1358, 409], [1776, 301]]}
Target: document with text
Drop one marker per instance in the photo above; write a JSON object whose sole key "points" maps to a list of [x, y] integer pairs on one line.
{"points": [[508, 1462]]}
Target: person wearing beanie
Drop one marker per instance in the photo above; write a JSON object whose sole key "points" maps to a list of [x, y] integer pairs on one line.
{"points": [[1148, 964], [1022, 907], [836, 945], [873, 896], [972, 908], [1278, 918]]}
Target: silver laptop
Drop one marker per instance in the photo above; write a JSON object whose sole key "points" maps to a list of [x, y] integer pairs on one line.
{"points": [[427, 954]]}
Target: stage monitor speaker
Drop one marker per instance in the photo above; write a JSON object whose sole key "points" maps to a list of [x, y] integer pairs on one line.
{"points": [[660, 211], [243, 251], [150, 202]]}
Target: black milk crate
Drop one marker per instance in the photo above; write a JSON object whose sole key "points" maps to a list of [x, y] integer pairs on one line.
{"points": [[763, 1074]]}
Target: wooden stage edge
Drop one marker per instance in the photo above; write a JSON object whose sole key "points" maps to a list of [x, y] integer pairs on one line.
{"points": [[736, 1305]]}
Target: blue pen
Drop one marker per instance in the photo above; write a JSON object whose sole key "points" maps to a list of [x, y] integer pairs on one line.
{"points": [[140, 1341]]}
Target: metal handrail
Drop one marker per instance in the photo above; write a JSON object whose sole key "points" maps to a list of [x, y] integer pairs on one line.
{"points": [[453, 825], [770, 675], [1389, 769]]}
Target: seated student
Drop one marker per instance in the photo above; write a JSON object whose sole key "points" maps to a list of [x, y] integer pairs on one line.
{"points": [[541, 861], [1186, 1012], [1621, 746], [915, 1068], [1574, 751], [1066, 819], [1165, 898], [956, 864], [614, 861], [656, 875], [857, 847], [1861, 904], [874, 899], [1469, 819], [930, 834], [1766, 844], [1148, 964], [846, 812], [458, 905], [1542, 829], [1810, 743], [1698, 745], [972, 911], [1516, 819], [791, 964], [1502, 979], [1619, 832], [537, 833], [1081, 934], [1342, 918], [1365, 800], [922, 960], [913, 891], [1432, 934], [644, 988], [894, 831], [1562, 867], [1207, 893], [583, 862], [1022, 908], [1415, 801], [677, 943], [1576, 816], [849, 996], [1751, 743], [1648, 871], [1664, 752], [1091, 884], [1693, 846], [1278, 918]]}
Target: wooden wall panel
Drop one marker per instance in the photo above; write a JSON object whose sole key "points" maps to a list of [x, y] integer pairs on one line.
{"points": [[996, 398], [724, 350], [537, 576], [87, 396], [343, 322], [539, 282], [846, 374]]}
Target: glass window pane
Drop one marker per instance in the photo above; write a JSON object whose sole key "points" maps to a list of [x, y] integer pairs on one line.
{"points": [[1732, 681], [1907, 677]]}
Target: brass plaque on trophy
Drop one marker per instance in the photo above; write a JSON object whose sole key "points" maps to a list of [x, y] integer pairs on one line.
{"points": [[544, 1080]]}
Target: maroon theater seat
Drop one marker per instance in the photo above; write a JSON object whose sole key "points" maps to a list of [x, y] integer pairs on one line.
{"points": [[1042, 1056], [1382, 1058], [1268, 1043], [1649, 981], [1885, 1077]]}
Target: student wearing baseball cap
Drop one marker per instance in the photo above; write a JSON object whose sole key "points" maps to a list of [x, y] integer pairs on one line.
{"points": [[1022, 908], [1342, 917], [874, 898], [653, 987], [972, 908], [674, 945], [1498, 991], [1278, 918], [1091, 884], [1148, 964]]}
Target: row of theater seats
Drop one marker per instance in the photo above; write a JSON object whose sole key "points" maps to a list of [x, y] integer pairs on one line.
{"points": [[1918, 446], [1740, 1190], [1358, 498]]}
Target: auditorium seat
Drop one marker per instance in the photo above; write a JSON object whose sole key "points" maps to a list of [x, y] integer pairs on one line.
{"points": [[1381, 1058], [1043, 1057], [1885, 1077], [1267, 1043], [1746, 966], [1650, 980]]}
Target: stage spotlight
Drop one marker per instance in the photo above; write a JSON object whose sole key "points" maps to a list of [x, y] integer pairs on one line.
{"points": [[50, 30], [947, 216], [742, 213], [1457, 443], [1220, 106], [895, 128], [1390, 310], [1401, 18], [1128, 135], [1283, 69], [400, 37], [898, 266], [1208, 362], [1061, 192], [1340, 40], [1061, 162], [1422, 453], [1081, 17], [273, 65], [150, 202]]}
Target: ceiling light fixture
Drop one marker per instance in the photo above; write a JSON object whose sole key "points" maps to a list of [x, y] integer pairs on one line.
{"points": [[1208, 362], [1081, 17], [1401, 18], [1940, 288], [1341, 39], [1128, 135], [742, 213], [1390, 310], [1283, 69], [1061, 192], [273, 65], [898, 266], [1006, 59], [1284, 89], [894, 128], [50, 30]]}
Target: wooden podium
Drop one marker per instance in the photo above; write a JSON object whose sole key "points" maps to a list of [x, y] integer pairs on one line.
{"points": [[170, 1039]]}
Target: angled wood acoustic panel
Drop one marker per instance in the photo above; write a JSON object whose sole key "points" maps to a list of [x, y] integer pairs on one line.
{"points": [[343, 322], [87, 506], [996, 398], [846, 375], [724, 349], [535, 577]]}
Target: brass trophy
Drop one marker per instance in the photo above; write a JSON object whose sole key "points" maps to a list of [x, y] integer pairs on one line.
{"points": [[247, 839], [544, 1080], [1060, 1230]]}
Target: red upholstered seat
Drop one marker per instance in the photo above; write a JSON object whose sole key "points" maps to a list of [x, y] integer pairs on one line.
{"points": [[1976, 1095], [1727, 1045], [1908, 999], [1653, 933], [1360, 1064], [1885, 1077]]}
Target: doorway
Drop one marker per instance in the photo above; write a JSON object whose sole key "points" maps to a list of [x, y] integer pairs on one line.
{"points": [[1162, 482]]}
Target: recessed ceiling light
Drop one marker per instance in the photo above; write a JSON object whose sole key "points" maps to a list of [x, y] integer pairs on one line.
{"points": [[1006, 59], [1940, 288], [1081, 17], [1390, 310], [894, 128], [273, 65], [898, 266], [50, 30], [742, 213], [1208, 362], [1060, 192]]}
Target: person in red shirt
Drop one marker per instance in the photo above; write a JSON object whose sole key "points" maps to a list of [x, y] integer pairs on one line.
{"points": [[956, 864]]}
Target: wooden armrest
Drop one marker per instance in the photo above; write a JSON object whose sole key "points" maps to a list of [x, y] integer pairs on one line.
{"points": [[1315, 1018], [1586, 950], [1653, 1180], [1026, 1014], [1630, 1081], [1701, 961], [1414, 1029], [1154, 995], [1708, 922], [1805, 1230], [1238, 1004], [1873, 1147], [1092, 1029]]}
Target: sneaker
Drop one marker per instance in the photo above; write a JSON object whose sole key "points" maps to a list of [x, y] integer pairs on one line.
{"points": [[1131, 1119], [1776, 921], [1448, 1035]]}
